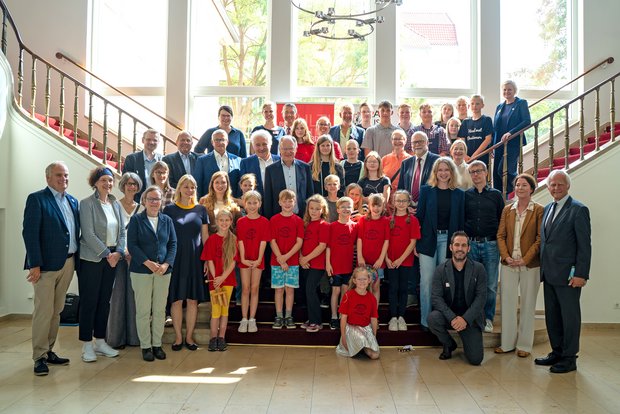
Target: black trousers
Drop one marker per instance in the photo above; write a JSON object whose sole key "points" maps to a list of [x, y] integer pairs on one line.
{"points": [[95, 281], [471, 336], [313, 278], [397, 294], [563, 319]]}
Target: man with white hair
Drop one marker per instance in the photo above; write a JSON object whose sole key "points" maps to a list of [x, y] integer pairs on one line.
{"points": [[182, 161], [565, 255], [256, 164], [346, 130], [287, 173]]}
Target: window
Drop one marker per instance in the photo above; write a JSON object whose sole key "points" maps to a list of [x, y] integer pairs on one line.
{"points": [[228, 61], [436, 46]]}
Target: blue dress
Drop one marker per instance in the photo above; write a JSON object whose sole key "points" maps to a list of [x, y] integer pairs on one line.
{"points": [[187, 280]]}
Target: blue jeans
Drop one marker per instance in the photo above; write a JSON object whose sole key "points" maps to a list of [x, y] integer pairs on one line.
{"points": [[428, 264], [487, 254]]}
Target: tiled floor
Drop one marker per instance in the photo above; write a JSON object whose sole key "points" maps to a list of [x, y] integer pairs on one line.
{"points": [[299, 380]]}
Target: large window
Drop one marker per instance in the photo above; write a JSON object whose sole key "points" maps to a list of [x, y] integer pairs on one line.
{"points": [[228, 61]]}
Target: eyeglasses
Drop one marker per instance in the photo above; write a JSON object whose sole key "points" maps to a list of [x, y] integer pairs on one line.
{"points": [[153, 200], [219, 140], [131, 184], [401, 201], [474, 172], [414, 142], [161, 172], [323, 124]]}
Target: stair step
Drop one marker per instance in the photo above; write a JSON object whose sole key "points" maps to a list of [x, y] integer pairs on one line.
{"points": [[560, 161]]}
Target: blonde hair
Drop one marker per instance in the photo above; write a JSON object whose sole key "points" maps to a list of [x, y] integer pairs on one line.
{"points": [[210, 199], [306, 138], [374, 154], [356, 186], [316, 157], [316, 198], [448, 104], [287, 194], [454, 176], [459, 142], [181, 183], [248, 177], [252, 194], [396, 194], [229, 245], [458, 122], [375, 200], [343, 200], [357, 271]]}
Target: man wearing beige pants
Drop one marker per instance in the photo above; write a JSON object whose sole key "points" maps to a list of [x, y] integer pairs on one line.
{"points": [[51, 232]]}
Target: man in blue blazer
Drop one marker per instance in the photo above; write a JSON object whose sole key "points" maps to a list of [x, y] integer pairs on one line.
{"points": [[423, 159], [262, 158], [183, 161], [217, 160], [565, 256], [142, 162], [287, 173], [51, 233], [346, 130]]}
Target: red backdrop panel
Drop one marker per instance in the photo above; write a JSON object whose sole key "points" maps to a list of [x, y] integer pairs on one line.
{"points": [[311, 112]]}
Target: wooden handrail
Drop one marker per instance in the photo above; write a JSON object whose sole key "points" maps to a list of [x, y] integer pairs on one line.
{"points": [[609, 61], [60, 55]]}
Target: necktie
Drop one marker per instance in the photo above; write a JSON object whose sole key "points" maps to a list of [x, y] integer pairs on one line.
{"points": [[415, 185], [288, 130], [550, 219]]}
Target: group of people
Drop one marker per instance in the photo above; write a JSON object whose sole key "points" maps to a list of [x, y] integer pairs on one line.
{"points": [[403, 204]]}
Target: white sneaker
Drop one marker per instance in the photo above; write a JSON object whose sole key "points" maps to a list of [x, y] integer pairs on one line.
{"points": [[88, 352], [102, 348], [402, 325], [393, 324], [488, 327], [243, 326], [252, 325]]}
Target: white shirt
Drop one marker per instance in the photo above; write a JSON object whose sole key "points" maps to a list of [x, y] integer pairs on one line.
{"points": [[112, 228], [222, 161], [263, 164]]}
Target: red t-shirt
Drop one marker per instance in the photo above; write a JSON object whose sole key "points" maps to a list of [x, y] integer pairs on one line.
{"points": [[400, 237], [252, 232], [213, 251], [316, 232], [373, 234], [304, 152], [358, 308], [285, 231], [341, 245]]}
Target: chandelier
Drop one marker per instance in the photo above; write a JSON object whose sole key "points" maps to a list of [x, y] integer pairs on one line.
{"points": [[336, 25]]}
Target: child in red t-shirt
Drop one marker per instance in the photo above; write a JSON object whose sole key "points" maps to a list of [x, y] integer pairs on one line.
{"points": [[359, 318], [253, 234], [312, 256], [404, 231], [373, 235], [339, 254], [354, 191], [287, 232], [220, 253]]}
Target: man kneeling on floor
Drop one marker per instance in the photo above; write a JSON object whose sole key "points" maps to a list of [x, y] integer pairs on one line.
{"points": [[458, 296]]}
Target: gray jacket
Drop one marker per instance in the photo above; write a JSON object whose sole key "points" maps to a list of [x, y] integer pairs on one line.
{"points": [[94, 226]]}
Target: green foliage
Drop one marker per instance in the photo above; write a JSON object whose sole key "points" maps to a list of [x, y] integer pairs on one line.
{"points": [[552, 21]]}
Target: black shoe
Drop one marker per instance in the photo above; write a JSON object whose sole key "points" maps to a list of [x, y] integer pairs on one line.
{"points": [[191, 347], [158, 352], [325, 301], [447, 351], [221, 344], [212, 345], [334, 324], [40, 367], [564, 365], [54, 359], [147, 354], [177, 347], [549, 360]]}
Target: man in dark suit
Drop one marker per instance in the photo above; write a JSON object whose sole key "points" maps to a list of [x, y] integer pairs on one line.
{"points": [[262, 158], [288, 173], [217, 160], [346, 130], [565, 254], [458, 295], [51, 233], [142, 162], [183, 161]]}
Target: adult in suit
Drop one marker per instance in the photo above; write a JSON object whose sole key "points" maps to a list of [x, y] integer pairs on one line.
{"points": [[217, 160], [236, 140], [415, 171], [565, 255], [518, 240], [51, 232], [142, 162], [347, 130], [262, 158], [183, 161], [102, 246], [287, 173], [441, 212], [459, 293], [510, 116]]}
